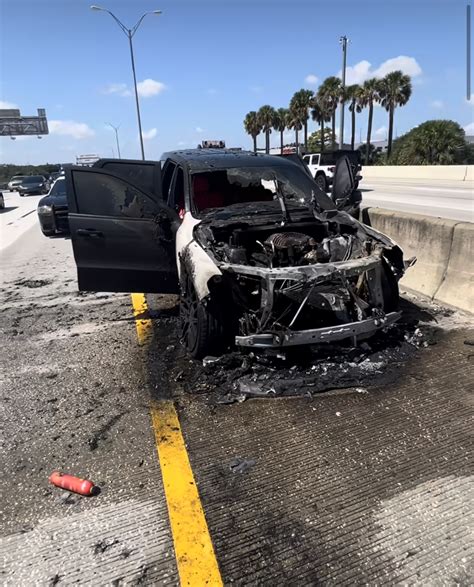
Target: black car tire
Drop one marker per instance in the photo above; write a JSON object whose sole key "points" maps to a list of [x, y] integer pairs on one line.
{"points": [[322, 182], [20, 194], [202, 332], [2, 202]]}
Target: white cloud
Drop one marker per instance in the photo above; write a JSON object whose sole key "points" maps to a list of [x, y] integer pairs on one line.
{"points": [[256, 89], [70, 128], [119, 89], [408, 65], [311, 79], [362, 71], [381, 133], [212, 91], [358, 73], [150, 87], [7, 105], [149, 134], [438, 104], [469, 128], [199, 129], [471, 100]]}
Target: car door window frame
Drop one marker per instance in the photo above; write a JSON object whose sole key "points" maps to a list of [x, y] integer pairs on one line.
{"points": [[75, 209], [171, 202], [167, 164]]}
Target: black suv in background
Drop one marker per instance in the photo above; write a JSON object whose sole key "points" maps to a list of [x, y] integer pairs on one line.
{"points": [[52, 210]]}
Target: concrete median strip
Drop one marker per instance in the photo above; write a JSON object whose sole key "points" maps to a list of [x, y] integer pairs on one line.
{"points": [[194, 551], [444, 249], [457, 287]]}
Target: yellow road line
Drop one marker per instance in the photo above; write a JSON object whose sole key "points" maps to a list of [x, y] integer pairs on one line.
{"points": [[195, 556], [143, 324]]}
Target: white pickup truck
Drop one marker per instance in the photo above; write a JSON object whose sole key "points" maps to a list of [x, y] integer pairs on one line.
{"points": [[322, 166]]}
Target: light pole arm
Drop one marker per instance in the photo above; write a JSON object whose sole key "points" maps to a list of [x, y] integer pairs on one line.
{"points": [[119, 22], [135, 28]]}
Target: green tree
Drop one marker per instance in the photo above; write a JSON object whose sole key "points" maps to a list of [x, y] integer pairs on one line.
{"points": [[329, 96], [352, 96], [373, 155], [394, 90], [301, 103], [266, 117], [252, 127], [315, 144], [434, 142], [279, 124], [294, 122], [369, 96], [321, 115]]}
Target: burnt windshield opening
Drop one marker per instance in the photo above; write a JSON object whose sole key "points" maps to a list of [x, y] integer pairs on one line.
{"points": [[245, 185]]}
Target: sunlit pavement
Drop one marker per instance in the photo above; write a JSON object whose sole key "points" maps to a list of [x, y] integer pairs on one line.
{"points": [[18, 216]]}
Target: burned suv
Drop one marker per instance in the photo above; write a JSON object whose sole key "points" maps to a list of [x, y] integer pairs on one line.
{"points": [[260, 256]]}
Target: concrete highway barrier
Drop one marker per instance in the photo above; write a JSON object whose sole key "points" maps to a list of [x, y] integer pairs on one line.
{"points": [[457, 287], [444, 270], [419, 172]]}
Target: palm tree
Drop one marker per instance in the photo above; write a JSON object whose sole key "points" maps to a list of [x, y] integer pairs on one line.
{"points": [[301, 102], [279, 124], [294, 122], [369, 95], [395, 90], [252, 127], [321, 115], [266, 116], [352, 95], [329, 95]]}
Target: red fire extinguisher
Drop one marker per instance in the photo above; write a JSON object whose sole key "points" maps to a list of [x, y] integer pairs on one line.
{"points": [[71, 483]]}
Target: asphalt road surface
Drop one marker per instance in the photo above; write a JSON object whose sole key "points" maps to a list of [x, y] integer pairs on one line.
{"points": [[445, 199], [368, 482]]}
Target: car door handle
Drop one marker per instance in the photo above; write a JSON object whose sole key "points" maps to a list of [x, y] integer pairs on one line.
{"points": [[89, 232]]}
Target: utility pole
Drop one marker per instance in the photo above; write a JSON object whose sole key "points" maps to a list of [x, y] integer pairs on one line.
{"points": [[468, 52], [343, 41], [116, 129]]}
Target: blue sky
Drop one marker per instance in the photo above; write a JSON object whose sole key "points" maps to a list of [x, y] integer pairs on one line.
{"points": [[203, 64]]}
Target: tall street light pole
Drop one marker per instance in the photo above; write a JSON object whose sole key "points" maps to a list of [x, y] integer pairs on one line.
{"points": [[130, 33], [343, 40], [116, 129]]}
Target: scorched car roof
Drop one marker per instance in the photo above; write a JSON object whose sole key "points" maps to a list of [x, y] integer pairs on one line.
{"points": [[209, 159]]}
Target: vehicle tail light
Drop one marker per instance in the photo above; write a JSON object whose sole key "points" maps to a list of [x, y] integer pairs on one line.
{"points": [[331, 169]]}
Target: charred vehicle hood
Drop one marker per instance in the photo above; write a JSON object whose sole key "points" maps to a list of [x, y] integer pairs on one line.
{"points": [[247, 216]]}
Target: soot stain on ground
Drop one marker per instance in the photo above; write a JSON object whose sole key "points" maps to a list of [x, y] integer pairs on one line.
{"points": [[239, 375]]}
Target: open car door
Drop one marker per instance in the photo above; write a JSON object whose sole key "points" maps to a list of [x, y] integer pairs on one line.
{"points": [[344, 193], [122, 236]]}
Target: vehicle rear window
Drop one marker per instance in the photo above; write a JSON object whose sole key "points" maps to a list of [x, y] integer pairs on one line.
{"points": [[103, 195], [33, 179]]}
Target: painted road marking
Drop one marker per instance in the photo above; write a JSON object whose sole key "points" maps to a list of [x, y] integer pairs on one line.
{"points": [[194, 551], [142, 322]]}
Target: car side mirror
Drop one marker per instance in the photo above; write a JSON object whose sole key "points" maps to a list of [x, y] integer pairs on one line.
{"points": [[343, 183]]}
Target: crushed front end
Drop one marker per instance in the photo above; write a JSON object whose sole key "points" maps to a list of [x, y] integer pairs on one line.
{"points": [[311, 281]]}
